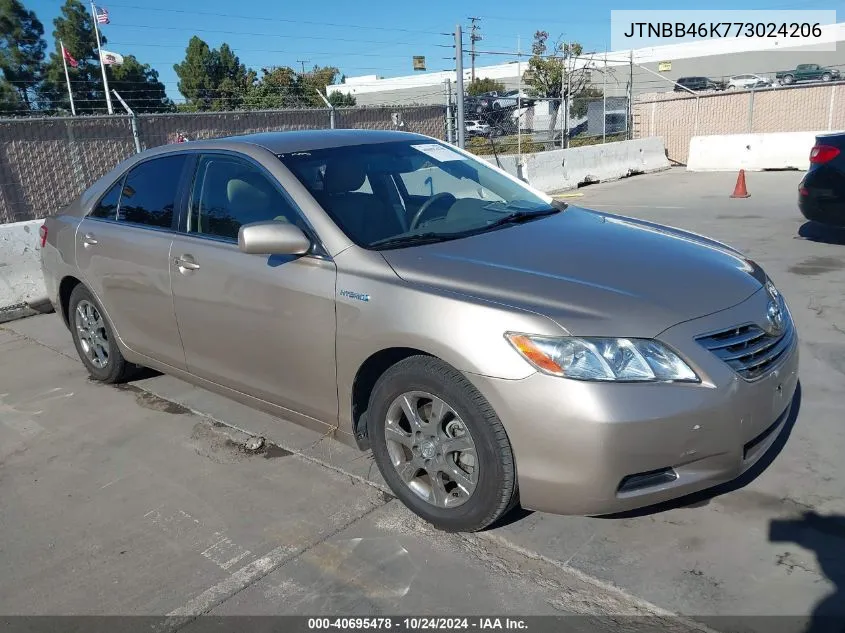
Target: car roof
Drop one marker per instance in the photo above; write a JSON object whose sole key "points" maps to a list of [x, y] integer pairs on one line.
{"points": [[303, 140]]}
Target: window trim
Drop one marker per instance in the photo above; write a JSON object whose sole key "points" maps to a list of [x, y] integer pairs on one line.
{"points": [[178, 201], [317, 251]]}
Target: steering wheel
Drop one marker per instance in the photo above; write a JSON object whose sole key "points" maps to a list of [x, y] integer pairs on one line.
{"points": [[443, 195]]}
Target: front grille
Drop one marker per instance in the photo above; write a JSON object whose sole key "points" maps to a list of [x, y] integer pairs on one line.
{"points": [[748, 349]]}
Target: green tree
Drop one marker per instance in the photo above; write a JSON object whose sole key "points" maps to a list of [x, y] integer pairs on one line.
{"points": [[278, 87], [554, 72], [480, 86], [9, 101], [21, 49], [136, 82], [213, 79], [342, 99], [75, 27], [315, 81], [139, 86]]}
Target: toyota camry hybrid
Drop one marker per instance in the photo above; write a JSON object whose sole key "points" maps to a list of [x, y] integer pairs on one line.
{"points": [[490, 345]]}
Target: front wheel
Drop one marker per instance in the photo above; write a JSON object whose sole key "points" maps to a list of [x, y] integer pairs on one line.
{"points": [[827, 77], [788, 79], [440, 446]]}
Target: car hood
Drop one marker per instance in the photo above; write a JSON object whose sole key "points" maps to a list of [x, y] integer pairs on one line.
{"points": [[595, 274]]}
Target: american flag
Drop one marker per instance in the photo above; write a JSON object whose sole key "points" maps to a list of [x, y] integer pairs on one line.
{"points": [[102, 14]]}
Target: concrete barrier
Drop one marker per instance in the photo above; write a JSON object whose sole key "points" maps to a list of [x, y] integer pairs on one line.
{"points": [[22, 290], [562, 169], [752, 152]]}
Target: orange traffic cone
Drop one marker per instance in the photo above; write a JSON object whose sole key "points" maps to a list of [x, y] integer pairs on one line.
{"points": [[739, 190]]}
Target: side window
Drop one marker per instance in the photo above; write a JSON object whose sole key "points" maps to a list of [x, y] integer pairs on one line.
{"points": [[150, 190], [107, 207], [229, 192]]}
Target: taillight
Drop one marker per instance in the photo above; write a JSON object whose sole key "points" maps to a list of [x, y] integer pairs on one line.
{"points": [[43, 233], [823, 154]]}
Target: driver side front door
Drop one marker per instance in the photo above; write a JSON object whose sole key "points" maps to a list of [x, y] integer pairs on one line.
{"points": [[261, 325]]}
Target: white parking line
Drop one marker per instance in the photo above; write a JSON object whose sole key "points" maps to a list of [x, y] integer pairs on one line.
{"points": [[240, 579]]}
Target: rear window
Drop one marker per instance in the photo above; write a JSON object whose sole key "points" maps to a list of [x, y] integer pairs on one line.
{"points": [[107, 207], [150, 190]]}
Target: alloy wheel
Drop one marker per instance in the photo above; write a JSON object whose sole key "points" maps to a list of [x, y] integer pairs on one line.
{"points": [[91, 329], [431, 449]]}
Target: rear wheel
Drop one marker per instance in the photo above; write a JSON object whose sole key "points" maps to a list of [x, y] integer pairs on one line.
{"points": [[440, 446], [94, 339]]}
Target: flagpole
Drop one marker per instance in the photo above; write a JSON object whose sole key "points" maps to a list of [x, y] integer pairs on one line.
{"points": [[67, 78], [100, 56]]}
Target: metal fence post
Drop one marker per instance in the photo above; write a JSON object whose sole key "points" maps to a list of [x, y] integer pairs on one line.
{"points": [[604, 101], [132, 122], [329, 106], [448, 85], [459, 69], [830, 112], [751, 111]]}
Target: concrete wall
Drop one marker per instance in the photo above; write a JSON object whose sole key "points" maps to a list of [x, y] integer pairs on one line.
{"points": [[677, 118], [562, 169], [21, 282], [753, 152]]}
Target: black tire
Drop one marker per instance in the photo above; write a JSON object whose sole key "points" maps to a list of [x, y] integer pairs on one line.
{"points": [[496, 490], [116, 369], [827, 77], [788, 79]]}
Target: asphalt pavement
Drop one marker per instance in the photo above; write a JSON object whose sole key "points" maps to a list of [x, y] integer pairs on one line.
{"points": [[143, 499]]}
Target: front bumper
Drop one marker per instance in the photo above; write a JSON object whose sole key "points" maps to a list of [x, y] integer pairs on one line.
{"points": [[575, 442]]}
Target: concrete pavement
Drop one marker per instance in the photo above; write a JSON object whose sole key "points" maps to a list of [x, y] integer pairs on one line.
{"points": [[156, 471]]}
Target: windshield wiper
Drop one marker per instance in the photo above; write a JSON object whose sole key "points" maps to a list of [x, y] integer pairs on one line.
{"points": [[520, 216], [408, 240]]}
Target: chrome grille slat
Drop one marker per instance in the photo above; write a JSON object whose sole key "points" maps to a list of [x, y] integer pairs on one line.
{"points": [[747, 337], [764, 343], [748, 349]]}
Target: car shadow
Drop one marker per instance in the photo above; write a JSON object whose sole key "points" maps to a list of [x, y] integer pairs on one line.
{"points": [[816, 232], [703, 497], [825, 537]]}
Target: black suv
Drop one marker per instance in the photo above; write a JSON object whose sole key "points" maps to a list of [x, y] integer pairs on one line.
{"points": [[696, 83]]}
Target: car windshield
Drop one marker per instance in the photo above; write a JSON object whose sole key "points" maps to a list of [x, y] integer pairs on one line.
{"points": [[390, 195]]}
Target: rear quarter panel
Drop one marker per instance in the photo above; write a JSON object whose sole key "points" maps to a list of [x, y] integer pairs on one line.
{"points": [[58, 256]]}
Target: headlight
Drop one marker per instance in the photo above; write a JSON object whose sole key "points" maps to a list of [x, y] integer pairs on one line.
{"points": [[606, 359]]}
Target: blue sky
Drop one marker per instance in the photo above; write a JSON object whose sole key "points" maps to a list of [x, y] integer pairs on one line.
{"points": [[361, 38]]}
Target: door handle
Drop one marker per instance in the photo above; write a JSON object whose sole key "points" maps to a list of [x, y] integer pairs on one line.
{"points": [[186, 262], [89, 240]]}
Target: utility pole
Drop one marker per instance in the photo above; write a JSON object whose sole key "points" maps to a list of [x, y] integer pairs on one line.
{"points": [[459, 71], [473, 38], [303, 62]]}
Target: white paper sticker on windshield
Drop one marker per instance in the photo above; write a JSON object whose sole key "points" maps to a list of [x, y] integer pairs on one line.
{"points": [[438, 152]]}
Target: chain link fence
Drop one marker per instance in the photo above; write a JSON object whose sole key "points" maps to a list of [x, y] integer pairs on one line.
{"points": [[46, 162], [676, 117], [515, 122]]}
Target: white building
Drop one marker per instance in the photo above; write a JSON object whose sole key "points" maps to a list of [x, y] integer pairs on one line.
{"points": [[651, 69]]}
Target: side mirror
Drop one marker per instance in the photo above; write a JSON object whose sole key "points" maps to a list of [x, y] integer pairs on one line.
{"points": [[272, 238]]}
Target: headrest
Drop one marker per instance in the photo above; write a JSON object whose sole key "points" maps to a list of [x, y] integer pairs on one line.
{"points": [[245, 196], [343, 176]]}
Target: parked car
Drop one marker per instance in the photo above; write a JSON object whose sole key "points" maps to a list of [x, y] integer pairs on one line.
{"points": [[696, 84], [821, 193], [477, 128], [512, 99], [490, 345], [745, 82], [807, 72]]}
